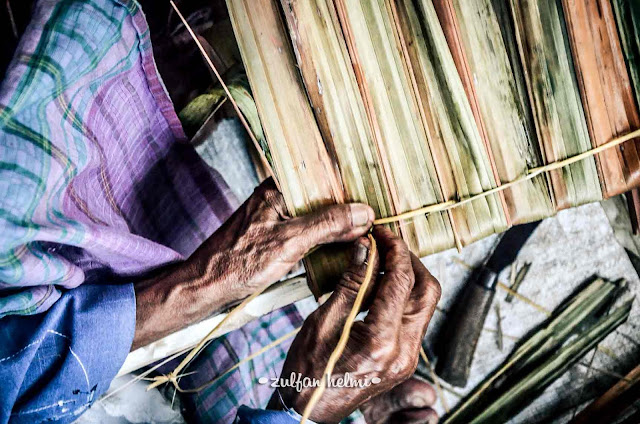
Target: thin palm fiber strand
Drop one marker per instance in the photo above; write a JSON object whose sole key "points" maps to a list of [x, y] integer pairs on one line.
{"points": [[173, 375], [344, 337], [436, 380], [243, 361], [532, 173], [142, 376]]}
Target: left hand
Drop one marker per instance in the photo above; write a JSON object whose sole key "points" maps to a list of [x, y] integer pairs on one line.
{"points": [[385, 346], [255, 247]]}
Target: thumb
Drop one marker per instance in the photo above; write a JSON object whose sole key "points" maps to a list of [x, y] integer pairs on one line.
{"points": [[335, 223]]}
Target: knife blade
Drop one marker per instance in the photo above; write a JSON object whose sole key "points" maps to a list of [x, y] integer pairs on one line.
{"points": [[466, 319]]}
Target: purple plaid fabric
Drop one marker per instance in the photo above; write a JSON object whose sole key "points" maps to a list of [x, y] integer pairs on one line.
{"points": [[218, 403], [93, 180]]}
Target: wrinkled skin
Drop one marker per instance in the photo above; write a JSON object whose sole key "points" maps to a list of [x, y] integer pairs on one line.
{"points": [[407, 403], [257, 246], [385, 345]]}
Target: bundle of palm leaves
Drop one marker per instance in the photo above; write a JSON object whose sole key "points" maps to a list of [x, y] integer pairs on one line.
{"points": [[403, 104]]}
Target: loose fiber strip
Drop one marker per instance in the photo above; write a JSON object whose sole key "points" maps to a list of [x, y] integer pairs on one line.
{"points": [[243, 120], [173, 375], [436, 379], [243, 361], [344, 337]]}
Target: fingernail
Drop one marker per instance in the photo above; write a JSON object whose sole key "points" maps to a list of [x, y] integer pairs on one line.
{"points": [[361, 214], [418, 401], [360, 253]]}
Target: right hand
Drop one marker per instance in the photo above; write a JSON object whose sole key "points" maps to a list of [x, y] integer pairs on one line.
{"points": [[385, 346], [255, 247]]}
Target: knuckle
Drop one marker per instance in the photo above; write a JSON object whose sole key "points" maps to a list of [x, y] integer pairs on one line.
{"points": [[405, 366], [337, 216], [435, 289], [351, 281], [398, 245], [383, 353], [403, 277], [433, 292], [270, 196]]}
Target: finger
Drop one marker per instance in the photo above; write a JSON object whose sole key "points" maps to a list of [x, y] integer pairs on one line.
{"points": [[422, 301], [392, 294], [335, 223], [412, 393], [333, 313], [409, 395], [352, 278], [269, 197]]}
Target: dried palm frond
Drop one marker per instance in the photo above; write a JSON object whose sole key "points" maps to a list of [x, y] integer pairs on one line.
{"points": [[573, 329], [307, 176], [333, 91], [483, 46], [627, 15], [553, 90], [392, 110], [291, 131], [606, 90], [460, 155], [441, 115]]}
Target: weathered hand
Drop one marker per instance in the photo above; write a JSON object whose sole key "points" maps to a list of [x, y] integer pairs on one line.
{"points": [[385, 346], [260, 243], [408, 403], [256, 246]]}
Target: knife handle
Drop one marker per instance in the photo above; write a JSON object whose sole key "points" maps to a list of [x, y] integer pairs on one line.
{"points": [[462, 329]]}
